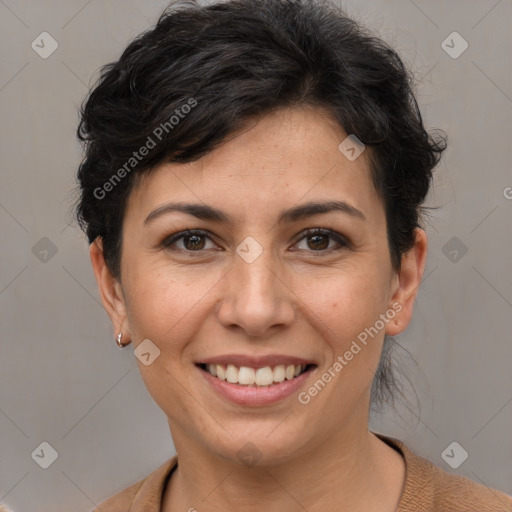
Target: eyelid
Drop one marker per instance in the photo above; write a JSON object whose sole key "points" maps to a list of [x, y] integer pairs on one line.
{"points": [[341, 240], [169, 240]]}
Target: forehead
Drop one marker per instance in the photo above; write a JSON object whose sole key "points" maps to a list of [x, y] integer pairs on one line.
{"points": [[279, 158]]}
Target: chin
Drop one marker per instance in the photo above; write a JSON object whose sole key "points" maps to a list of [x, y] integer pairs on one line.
{"points": [[256, 446]]}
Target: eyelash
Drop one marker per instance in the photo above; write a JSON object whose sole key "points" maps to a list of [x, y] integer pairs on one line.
{"points": [[339, 239]]}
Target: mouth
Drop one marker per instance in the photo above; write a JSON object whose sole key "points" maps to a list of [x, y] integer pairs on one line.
{"points": [[251, 377], [255, 380]]}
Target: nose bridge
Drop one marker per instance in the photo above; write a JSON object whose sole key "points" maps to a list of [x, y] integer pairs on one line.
{"points": [[257, 280], [258, 276], [257, 297]]}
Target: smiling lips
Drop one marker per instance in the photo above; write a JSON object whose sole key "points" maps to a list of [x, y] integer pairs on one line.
{"points": [[256, 381], [247, 376], [255, 371]]}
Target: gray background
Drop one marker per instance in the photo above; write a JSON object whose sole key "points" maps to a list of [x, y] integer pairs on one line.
{"points": [[64, 381]]}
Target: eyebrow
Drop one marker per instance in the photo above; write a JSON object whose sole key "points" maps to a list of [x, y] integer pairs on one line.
{"points": [[206, 212]]}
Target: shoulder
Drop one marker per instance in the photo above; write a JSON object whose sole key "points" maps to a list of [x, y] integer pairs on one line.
{"points": [[144, 493], [428, 487], [122, 500]]}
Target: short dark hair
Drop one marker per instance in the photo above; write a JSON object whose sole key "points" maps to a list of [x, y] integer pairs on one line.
{"points": [[213, 67]]}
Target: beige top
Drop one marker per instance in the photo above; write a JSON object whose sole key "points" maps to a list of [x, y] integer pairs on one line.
{"points": [[427, 488]]}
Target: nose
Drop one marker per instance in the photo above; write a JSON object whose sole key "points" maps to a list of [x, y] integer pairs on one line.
{"points": [[256, 297]]}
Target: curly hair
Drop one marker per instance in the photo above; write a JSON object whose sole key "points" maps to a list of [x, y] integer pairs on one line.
{"points": [[181, 88]]}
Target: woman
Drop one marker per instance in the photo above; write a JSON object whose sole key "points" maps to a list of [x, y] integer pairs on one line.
{"points": [[252, 191]]}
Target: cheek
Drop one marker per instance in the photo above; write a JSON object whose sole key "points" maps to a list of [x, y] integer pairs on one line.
{"points": [[345, 302], [167, 309], [163, 303], [345, 307]]}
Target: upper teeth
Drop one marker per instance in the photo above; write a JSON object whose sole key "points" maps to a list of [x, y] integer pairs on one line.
{"points": [[254, 376]]}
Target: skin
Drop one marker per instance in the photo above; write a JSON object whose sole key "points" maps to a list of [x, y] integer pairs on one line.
{"points": [[303, 297]]}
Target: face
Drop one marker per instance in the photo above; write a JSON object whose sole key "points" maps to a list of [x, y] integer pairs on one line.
{"points": [[263, 280]]}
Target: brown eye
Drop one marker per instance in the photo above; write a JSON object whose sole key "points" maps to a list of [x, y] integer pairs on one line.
{"points": [[318, 240], [194, 242], [191, 240]]}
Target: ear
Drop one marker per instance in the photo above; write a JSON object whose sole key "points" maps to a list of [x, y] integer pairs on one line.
{"points": [[109, 287], [408, 280]]}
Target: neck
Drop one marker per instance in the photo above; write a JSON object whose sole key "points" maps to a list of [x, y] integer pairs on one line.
{"points": [[355, 469]]}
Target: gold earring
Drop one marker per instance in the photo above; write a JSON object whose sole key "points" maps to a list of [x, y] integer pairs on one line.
{"points": [[118, 341]]}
